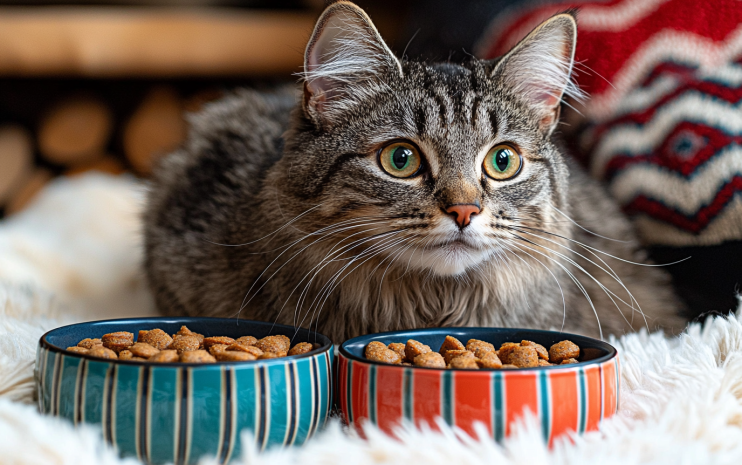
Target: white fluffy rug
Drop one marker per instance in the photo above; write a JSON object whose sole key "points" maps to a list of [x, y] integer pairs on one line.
{"points": [[75, 255]]}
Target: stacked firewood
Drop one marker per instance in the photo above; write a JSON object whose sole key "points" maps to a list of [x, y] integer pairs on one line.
{"points": [[74, 136]]}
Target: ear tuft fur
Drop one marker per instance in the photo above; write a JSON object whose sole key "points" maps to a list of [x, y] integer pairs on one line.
{"points": [[539, 67], [346, 60]]}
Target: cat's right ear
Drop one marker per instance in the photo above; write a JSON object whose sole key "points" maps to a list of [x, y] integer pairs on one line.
{"points": [[346, 59]]}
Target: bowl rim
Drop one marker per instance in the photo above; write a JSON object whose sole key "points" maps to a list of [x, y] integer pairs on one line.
{"points": [[612, 352], [45, 344]]}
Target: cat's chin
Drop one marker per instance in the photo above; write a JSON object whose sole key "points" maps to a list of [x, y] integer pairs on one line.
{"points": [[450, 259]]}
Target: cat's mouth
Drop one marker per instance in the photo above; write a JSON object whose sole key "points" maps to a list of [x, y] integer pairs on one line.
{"points": [[454, 245]]}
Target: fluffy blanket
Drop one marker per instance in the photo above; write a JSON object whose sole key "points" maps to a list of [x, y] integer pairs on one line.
{"points": [[75, 255]]}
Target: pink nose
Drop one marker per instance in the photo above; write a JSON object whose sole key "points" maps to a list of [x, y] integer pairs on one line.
{"points": [[463, 212]]}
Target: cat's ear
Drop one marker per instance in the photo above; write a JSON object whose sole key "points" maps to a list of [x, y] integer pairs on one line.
{"points": [[539, 67], [345, 59]]}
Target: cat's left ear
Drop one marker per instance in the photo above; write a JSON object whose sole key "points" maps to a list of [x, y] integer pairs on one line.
{"points": [[539, 67], [345, 60]]}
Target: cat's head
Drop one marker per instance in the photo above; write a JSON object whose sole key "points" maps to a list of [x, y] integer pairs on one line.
{"points": [[432, 163]]}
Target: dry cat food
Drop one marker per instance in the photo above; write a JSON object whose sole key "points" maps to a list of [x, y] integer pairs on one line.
{"points": [[474, 355], [188, 347]]}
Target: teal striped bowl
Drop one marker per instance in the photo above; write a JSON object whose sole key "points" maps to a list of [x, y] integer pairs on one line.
{"points": [[177, 413]]}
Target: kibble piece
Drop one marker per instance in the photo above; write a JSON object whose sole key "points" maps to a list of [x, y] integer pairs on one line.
{"points": [[563, 350], [243, 348], [184, 331], [414, 348], [214, 340], [165, 356], [125, 355], [450, 343], [267, 355], [102, 352], [482, 351], [505, 350], [540, 350], [544, 363], [185, 343], [157, 338], [451, 354], [234, 356], [78, 349], [275, 344], [430, 359], [89, 343], [569, 361], [301, 348], [489, 359], [398, 347], [524, 357], [213, 350], [509, 366], [468, 362], [197, 356], [378, 352], [118, 341], [247, 340], [474, 345], [142, 349]]}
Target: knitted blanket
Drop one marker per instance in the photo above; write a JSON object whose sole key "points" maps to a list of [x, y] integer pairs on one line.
{"points": [[662, 127], [74, 255]]}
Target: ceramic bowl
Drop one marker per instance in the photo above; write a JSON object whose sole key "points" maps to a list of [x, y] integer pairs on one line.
{"points": [[176, 412], [564, 397]]}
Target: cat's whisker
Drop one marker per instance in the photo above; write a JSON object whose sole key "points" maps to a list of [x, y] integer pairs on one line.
{"points": [[332, 284], [610, 294], [610, 273], [585, 246], [329, 254], [572, 277], [296, 218], [300, 302], [332, 253], [564, 300], [582, 227], [588, 274], [328, 287], [327, 229], [245, 301]]}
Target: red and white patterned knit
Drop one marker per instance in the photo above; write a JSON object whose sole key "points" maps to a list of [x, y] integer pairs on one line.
{"points": [[665, 113]]}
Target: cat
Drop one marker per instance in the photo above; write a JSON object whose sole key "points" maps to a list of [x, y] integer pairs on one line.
{"points": [[387, 194]]}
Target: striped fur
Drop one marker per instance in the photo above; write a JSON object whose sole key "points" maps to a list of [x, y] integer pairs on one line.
{"points": [[276, 208]]}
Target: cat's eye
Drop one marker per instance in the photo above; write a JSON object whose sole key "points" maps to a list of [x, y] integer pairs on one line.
{"points": [[502, 162], [400, 159]]}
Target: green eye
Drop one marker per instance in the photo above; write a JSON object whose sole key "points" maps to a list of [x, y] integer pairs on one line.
{"points": [[400, 160], [502, 162]]}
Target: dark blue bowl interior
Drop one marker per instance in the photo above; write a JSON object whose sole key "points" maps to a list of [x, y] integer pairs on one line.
{"points": [[67, 336], [591, 350]]}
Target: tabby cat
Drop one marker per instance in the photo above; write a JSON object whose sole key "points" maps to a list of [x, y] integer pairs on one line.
{"points": [[388, 194]]}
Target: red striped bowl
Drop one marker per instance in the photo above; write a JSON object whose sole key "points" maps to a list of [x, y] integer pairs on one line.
{"points": [[564, 398]]}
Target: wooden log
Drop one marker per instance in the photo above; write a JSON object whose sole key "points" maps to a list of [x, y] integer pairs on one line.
{"points": [[155, 128], [16, 159], [107, 164], [32, 185], [150, 41], [75, 131]]}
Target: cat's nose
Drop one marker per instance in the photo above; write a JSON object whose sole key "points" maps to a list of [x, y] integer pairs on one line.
{"points": [[463, 212]]}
